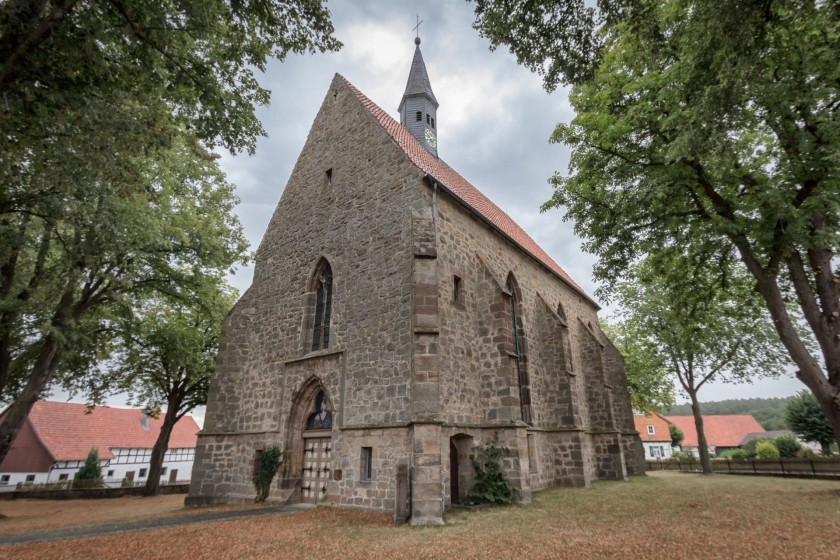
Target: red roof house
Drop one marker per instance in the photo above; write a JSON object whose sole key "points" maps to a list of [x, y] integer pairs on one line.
{"points": [[58, 435], [722, 432], [655, 434]]}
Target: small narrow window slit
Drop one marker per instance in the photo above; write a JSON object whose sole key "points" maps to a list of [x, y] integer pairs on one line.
{"points": [[328, 177], [367, 463]]}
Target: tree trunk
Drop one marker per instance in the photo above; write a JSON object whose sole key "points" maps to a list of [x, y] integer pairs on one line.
{"points": [[826, 388], [702, 446], [159, 450], [42, 373]]}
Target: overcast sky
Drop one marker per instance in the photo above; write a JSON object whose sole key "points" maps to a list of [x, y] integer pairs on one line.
{"points": [[494, 123]]}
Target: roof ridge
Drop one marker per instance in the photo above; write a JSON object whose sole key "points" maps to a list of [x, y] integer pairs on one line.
{"points": [[463, 190]]}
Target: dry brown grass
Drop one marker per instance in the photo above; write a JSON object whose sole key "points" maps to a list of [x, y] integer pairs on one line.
{"points": [[666, 515], [35, 515]]}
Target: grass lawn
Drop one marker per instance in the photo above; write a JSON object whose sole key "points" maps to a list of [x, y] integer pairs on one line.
{"points": [[663, 515]]}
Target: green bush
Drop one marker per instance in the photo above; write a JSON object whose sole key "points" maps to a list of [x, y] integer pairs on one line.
{"points": [[787, 446], [751, 445], [766, 450], [91, 469], [679, 455], [734, 454], [270, 460], [489, 485], [806, 453]]}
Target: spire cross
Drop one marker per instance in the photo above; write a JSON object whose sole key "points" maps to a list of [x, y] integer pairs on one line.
{"points": [[417, 27]]}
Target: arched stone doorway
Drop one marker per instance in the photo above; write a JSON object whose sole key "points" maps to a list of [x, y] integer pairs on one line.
{"points": [[309, 464], [460, 467]]}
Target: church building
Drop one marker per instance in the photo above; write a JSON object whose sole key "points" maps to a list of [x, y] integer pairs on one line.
{"points": [[397, 318]]}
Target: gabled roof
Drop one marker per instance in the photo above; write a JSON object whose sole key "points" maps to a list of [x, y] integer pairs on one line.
{"points": [[721, 431], [418, 81], [462, 190], [69, 434], [660, 427], [761, 435]]}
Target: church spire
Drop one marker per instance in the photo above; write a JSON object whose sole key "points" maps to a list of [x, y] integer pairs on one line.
{"points": [[418, 108]]}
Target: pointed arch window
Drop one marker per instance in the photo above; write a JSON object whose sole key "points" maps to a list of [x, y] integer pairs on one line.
{"points": [[321, 417], [520, 362], [323, 308]]}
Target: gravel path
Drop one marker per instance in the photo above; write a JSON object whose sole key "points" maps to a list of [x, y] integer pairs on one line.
{"points": [[50, 535]]}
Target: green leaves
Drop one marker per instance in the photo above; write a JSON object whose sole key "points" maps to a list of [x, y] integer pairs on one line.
{"points": [[193, 59], [91, 469], [700, 317], [270, 460], [648, 377], [805, 417], [489, 486]]}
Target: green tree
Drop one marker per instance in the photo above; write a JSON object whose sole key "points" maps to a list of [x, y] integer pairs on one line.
{"points": [[805, 418], [703, 324], [677, 435], [195, 59], [788, 446], [83, 254], [91, 470], [99, 97], [167, 357], [766, 450], [650, 386], [706, 122], [270, 460]]}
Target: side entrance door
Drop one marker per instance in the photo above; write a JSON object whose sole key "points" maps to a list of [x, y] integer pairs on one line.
{"points": [[316, 468], [173, 475]]}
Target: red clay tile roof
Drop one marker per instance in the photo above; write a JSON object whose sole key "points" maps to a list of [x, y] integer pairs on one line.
{"points": [[660, 427], [463, 190], [721, 431], [69, 434]]}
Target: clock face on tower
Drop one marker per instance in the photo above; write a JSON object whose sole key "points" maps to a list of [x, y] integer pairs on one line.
{"points": [[431, 139]]}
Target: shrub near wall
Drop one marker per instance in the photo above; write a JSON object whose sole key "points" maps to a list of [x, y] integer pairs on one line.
{"points": [[788, 446], [766, 450]]}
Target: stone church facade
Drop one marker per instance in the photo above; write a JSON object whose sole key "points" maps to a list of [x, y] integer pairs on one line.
{"points": [[396, 319]]}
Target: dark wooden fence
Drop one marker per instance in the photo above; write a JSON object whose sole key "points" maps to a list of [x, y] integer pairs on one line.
{"points": [[819, 467]]}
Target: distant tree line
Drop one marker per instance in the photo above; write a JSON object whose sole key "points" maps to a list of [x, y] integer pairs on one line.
{"points": [[770, 413]]}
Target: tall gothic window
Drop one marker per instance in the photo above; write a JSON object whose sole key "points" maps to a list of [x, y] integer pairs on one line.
{"points": [[323, 308], [521, 369]]}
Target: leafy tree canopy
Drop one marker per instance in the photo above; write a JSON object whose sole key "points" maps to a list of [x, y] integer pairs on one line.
{"points": [[651, 388], [195, 59], [703, 124], [86, 246], [702, 322], [805, 418]]}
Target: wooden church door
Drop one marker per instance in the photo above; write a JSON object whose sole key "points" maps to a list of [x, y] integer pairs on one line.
{"points": [[317, 452], [316, 469]]}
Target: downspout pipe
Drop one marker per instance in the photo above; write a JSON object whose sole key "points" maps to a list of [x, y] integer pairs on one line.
{"points": [[434, 208]]}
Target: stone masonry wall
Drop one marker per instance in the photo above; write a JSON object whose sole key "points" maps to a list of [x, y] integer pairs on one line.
{"points": [[360, 221], [569, 401]]}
